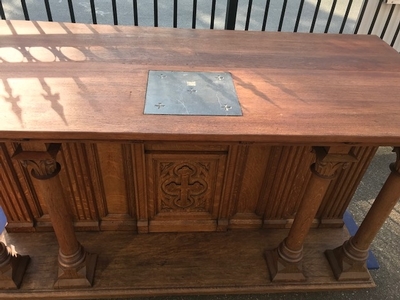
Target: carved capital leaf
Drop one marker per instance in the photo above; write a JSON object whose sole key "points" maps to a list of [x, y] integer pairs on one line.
{"points": [[42, 169], [330, 161], [328, 169]]}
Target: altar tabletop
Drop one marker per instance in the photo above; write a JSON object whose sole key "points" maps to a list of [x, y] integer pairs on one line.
{"points": [[80, 81]]}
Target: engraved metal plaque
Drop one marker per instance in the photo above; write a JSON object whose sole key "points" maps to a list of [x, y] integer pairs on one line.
{"points": [[191, 93]]}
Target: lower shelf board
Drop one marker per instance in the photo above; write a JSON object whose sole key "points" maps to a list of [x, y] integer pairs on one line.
{"points": [[230, 262]]}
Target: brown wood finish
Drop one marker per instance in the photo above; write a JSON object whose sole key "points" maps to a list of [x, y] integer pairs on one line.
{"points": [[75, 265], [349, 262], [12, 268], [95, 179], [285, 262], [177, 264], [83, 87], [293, 87]]}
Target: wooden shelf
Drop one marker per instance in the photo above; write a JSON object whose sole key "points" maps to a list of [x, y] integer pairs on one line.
{"points": [[177, 263]]}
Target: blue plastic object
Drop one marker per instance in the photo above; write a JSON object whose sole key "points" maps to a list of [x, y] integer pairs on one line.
{"points": [[3, 220], [372, 262]]}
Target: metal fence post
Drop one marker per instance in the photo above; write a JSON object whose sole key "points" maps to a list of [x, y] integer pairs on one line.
{"points": [[231, 11]]}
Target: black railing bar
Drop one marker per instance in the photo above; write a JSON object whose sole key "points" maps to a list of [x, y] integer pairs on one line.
{"points": [[315, 16], [155, 2], [115, 13], [346, 15], [389, 17], [25, 10], [361, 16], [71, 11], [231, 12], [246, 27], [2, 14], [328, 23], [266, 10], [93, 10], [213, 5], [175, 16], [194, 15], [48, 10], [135, 13], [282, 15], [378, 9], [296, 26], [396, 34]]}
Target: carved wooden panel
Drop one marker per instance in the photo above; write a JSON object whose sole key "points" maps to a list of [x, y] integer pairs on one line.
{"points": [[17, 196], [177, 186], [82, 186], [116, 169], [184, 190], [342, 189], [288, 173], [253, 167]]}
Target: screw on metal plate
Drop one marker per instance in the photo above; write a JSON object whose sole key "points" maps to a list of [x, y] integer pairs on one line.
{"points": [[191, 93], [226, 107], [159, 105]]}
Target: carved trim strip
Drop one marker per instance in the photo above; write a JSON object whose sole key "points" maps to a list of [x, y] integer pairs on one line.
{"points": [[129, 178], [78, 182]]}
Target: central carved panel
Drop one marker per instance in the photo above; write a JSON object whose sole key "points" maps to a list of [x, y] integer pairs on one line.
{"points": [[184, 189], [184, 186]]}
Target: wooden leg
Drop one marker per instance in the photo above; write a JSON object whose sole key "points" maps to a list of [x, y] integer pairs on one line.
{"points": [[285, 261], [12, 268], [348, 261], [76, 266]]}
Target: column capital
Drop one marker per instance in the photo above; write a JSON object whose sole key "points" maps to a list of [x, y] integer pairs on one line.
{"points": [[331, 159], [42, 163]]}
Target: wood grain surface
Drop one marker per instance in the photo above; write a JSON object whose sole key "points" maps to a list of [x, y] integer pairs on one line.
{"points": [[77, 81], [177, 263]]}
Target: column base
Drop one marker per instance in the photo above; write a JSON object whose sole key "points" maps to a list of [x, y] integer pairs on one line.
{"points": [[80, 276], [281, 270], [346, 268], [12, 273]]}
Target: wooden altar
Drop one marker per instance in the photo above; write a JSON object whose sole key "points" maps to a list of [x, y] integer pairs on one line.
{"points": [[162, 193]]}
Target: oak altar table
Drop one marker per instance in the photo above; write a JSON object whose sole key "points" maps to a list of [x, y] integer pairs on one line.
{"points": [[163, 194]]}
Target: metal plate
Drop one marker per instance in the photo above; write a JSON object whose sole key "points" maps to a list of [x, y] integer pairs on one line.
{"points": [[191, 93]]}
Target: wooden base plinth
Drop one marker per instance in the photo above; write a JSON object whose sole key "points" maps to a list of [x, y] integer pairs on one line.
{"points": [[147, 265], [344, 268], [281, 270], [79, 277], [11, 275]]}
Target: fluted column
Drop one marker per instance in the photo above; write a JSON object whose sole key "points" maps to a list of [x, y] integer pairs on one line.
{"points": [[76, 266], [348, 261], [285, 262]]}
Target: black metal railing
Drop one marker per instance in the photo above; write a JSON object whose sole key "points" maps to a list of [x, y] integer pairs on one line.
{"points": [[328, 16]]}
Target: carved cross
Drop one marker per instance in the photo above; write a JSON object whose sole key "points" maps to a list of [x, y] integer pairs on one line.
{"points": [[185, 187]]}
